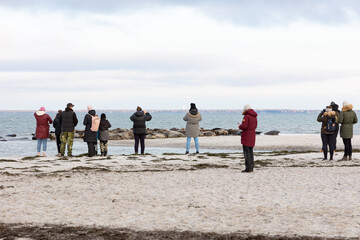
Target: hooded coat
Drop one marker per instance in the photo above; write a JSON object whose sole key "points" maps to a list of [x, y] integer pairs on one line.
{"points": [[192, 119], [42, 124], [248, 127], [139, 119], [89, 135], [104, 130], [323, 118], [68, 120], [347, 119]]}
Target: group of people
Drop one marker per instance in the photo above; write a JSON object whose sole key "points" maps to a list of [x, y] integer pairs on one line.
{"points": [[331, 118], [97, 129], [64, 123]]}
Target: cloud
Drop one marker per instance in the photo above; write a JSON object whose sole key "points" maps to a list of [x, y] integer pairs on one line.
{"points": [[252, 13], [168, 54]]}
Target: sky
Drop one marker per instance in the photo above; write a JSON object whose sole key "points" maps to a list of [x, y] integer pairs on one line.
{"points": [[160, 54]]}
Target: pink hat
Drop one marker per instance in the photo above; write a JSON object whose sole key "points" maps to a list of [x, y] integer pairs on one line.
{"points": [[42, 109]]}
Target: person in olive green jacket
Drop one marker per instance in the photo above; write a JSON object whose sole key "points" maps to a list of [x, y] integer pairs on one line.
{"points": [[347, 119]]}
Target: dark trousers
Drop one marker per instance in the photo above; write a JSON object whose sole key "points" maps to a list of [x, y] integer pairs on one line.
{"points": [[249, 158], [348, 147], [91, 149], [58, 142], [328, 140], [141, 138]]}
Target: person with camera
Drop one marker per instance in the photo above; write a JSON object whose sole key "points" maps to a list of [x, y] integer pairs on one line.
{"points": [[139, 128], [329, 119]]}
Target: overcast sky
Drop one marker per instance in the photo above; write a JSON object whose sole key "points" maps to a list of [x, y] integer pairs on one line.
{"points": [[289, 54]]}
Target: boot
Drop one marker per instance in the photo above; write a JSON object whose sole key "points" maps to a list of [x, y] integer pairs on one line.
{"points": [[105, 153], [344, 158], [102, 154], [350, 158]]}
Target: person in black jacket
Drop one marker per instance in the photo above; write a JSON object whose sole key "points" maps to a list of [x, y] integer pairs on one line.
{"points": [[57, 126], [90, 135], [104, 134], [139, 128], [68, 121]]}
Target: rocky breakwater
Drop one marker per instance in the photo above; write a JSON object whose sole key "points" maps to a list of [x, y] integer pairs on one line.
{"points": [[157, 133]]}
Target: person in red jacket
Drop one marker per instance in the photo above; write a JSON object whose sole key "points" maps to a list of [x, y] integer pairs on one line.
{"points": [[248, 126], [42, 129]]}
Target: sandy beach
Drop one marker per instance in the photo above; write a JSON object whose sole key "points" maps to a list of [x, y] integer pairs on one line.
{"points": [[291, 194]]}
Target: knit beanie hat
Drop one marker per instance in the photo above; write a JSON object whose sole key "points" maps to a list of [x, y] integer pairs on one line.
{"points": [[246, 107], [192, 106], [346, 103], [89, 108], [42, 109]]}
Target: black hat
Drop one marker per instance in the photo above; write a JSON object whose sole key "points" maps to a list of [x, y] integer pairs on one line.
{"points": [[70, 105], [192, 106]]}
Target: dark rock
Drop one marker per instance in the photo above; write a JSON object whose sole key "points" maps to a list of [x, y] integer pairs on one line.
{"points": [[174, 129], [11, 135], [216, 129], [2, 140], [258, 133], [239, 133], [34, 138], [233, 131], [52, 136], [274, 133]]}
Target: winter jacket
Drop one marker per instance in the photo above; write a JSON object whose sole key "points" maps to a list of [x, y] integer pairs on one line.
{"points": [[192, 119], [68, 120], [248, 125], [347, 119], [139, 119], [89, 136], [323, 118], [103, 130], [42, 124], [57, 125]]}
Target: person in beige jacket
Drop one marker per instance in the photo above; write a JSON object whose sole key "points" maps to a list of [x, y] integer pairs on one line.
{"points": [[192, 130]]}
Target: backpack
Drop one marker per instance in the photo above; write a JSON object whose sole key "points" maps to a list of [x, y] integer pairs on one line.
{"points": [[95, 122], [330, 125]]}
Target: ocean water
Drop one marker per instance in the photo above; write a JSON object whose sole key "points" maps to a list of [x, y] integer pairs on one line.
{"points": [[23, 124]]}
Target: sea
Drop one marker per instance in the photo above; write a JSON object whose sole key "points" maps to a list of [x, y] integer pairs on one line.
{"points": [[23, 125]]}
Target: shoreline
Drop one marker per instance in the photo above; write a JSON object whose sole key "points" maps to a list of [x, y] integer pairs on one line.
{"points": [[290, 142]]}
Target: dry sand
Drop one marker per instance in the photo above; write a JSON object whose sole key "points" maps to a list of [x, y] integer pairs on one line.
{"points": [[164, 196]]}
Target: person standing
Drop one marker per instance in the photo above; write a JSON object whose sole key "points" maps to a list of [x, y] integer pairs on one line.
{"points": [[68, 121], [335, 108], [104, 134], [192, 130], [92, 122], [139, 128], [329, 119], [347, 119], [42, 129], [57, 126], [248, 135]]}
